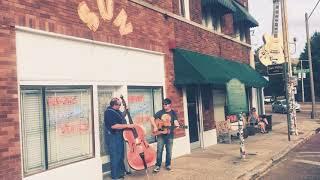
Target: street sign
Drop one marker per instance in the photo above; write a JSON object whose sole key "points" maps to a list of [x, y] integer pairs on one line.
{"points": [[275, 69], [296, 71]]}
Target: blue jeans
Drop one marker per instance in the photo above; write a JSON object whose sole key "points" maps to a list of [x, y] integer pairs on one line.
{"points": [[115, 143], [164, 140]]}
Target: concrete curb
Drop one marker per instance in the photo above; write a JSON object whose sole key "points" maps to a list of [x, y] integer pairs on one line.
{"points": [[260, 169]]}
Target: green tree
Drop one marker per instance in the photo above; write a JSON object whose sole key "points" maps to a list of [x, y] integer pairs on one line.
{"points": [[315, 54]]}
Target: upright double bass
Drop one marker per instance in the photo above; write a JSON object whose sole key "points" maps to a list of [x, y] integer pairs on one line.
{"points": [[140, 154]]}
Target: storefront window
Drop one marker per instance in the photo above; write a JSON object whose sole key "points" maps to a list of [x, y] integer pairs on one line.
{"points": [[32, 130], [143, 103], [64, 134]]}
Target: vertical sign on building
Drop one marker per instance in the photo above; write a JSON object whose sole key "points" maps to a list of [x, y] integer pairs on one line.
{"points": [[236, 97]]}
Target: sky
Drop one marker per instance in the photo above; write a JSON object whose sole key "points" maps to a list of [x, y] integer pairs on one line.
{"points": [[262, 11]]}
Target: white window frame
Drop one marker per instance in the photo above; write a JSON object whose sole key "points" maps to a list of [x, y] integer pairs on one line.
{"points": [[184, 8], [240, 33], [46, 164], [211, 20], [154, 109]]}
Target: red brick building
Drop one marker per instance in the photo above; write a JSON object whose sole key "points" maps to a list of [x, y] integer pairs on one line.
{"points": [[62, 61]]}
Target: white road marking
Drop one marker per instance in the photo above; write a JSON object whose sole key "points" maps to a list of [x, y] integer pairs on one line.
{"points": [[307, 162], [309, 152], [308, 155]]}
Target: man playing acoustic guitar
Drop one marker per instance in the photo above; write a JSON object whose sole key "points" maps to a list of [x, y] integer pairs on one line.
{"points": [[165, 138]]}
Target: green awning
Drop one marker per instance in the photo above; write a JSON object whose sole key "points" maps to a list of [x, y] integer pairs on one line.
{"points": [[225, 4], [242, 16], [193, 68]]}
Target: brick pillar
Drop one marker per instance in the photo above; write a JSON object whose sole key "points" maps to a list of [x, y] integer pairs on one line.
{"points": [[10, 154]]}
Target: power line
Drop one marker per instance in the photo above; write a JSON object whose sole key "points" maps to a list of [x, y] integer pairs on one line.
{"points": [[313, 9]]}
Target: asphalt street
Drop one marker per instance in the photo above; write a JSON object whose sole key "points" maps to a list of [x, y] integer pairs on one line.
{"points": [[301, 163]]}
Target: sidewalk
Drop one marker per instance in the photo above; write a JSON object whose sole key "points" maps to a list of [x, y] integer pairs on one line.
{"points": [[222, 161]]}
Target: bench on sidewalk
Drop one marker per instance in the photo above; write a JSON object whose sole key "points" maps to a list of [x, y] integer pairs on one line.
{"points": [[228, 128], [223, 131]]}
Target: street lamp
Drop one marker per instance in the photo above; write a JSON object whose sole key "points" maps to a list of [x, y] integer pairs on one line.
{"points": [[313, 114]]}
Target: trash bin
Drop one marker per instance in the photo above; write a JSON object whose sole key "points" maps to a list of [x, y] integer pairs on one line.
{"points": [[269, 119]]}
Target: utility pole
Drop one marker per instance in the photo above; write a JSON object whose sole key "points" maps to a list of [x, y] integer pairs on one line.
{"points": [[310, 66], [302, 85], [291, 111]]}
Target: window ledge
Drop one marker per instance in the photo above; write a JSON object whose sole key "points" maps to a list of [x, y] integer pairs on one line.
{"points": [[180, 18]]}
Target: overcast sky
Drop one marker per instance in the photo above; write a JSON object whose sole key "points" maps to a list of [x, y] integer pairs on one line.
{"points": [[262, 10]]}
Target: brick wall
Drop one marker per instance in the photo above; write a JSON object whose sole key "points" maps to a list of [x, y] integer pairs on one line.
{"points": [[195, 11], [227, 25], [151, 31], [164, 4], [199, 40], [195, 39], [10, 158]]}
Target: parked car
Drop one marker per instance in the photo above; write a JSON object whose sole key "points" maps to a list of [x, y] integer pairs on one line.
{"points": [[268, 99], [281, 106]]}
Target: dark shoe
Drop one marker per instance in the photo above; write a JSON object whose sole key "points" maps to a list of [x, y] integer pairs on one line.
{"points": [[168, 168], [156, 169]]}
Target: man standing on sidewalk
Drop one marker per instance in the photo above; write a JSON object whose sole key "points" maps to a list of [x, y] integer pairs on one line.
{"points": [[115, 124], [166, 114]]}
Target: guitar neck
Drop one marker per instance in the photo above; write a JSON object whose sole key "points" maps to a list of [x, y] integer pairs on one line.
{"points": [[181, 126], [275, 19]]}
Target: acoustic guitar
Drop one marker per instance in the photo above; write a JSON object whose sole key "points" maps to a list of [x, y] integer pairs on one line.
{"points": [[164, 127]]}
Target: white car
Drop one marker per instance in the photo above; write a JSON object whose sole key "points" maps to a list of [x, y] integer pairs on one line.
{"points": [[268, 99], [281, 106]]}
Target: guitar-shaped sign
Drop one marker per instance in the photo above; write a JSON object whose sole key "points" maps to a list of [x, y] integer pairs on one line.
{"points": [[272, 50]]}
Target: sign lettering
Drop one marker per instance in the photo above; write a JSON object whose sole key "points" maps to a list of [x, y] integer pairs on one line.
{"points": [[134, 99], [106, 8], [62, 100]]}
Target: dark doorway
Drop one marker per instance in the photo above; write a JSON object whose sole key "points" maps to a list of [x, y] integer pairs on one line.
{"points": [[193, 116]]}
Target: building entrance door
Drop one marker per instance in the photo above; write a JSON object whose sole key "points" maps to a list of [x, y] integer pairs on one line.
{"points": [[193, 116]]}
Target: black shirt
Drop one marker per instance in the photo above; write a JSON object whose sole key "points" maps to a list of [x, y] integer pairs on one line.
{"points": [[171, 115], [112, 117]]}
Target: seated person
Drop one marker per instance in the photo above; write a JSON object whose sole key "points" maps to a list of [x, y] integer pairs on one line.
{"points": [[263, 122], [254, 119]]}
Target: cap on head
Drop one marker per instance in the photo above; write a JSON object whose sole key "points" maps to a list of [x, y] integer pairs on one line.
{"points": [[166, 101]]}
